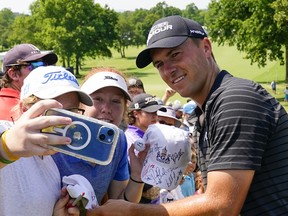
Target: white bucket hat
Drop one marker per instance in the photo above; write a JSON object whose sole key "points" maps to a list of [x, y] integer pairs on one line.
{"points": [[48, 82], [168, 156]]}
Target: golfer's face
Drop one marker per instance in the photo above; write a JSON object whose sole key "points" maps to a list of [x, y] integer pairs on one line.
{"points": [[184, 68]]}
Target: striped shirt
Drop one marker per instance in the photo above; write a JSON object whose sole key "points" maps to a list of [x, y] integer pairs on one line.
{"points": [[245, 128]]}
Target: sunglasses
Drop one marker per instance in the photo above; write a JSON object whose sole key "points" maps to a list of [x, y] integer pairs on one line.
{"points": [[31, 65]]}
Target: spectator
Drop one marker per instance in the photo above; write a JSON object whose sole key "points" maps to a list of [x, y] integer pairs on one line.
{"points": [[286, 94], [30, 184], [199, 183], [18, 62], [189, 117], [142, 113], [273, 86], [108, 89], [242, 145], [188, 185], [167, 115], [168, 94], [177, 106], [135, 86]]}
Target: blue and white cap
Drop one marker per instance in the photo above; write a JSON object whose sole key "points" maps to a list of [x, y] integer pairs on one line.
{"points": [[48, 82]]}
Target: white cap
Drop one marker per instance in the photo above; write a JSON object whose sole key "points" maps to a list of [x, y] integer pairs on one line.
{"points": [[177, 105], [105, 79], [48, 82], [168, 156], [169, 112]]}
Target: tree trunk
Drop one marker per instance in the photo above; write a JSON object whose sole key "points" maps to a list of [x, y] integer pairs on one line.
{"points": [[77, 66]]}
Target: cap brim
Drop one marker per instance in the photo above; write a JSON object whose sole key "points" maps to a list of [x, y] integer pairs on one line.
{"points": [[152, 108], [50, 58], [178, 122], [57, 91], [143, 59]]}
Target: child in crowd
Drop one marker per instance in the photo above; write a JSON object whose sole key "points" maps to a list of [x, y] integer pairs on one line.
{"points": [[286, 94], [108, 89], [142, 113]]}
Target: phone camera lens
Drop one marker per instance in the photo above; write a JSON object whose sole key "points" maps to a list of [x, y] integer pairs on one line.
{"points": [[110, 132], [102, 137]]}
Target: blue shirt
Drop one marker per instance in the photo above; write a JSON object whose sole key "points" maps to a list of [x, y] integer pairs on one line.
{"points": [[188, 186], [100, 176]]}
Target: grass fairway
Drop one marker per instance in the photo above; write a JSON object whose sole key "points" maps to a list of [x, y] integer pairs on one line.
{"points": [[228, 58]]}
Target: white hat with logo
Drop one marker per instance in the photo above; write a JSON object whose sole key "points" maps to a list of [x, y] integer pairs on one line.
{"points": [[48, 82], [168, 156], [104, 79]]}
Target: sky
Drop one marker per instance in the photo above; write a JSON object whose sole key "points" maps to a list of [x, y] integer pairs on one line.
{"points": [[22, 6]]}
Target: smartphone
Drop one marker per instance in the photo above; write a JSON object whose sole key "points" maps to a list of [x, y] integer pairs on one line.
{"points": [[92, 140]]}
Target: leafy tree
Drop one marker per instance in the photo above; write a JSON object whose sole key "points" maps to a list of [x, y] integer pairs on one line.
{"points": [[23, 31], [280, 16], [192, 12], [75, 29], [144, 19], [140, 26], [7, 18], [162, 10], [125, 32], [252, 26]]}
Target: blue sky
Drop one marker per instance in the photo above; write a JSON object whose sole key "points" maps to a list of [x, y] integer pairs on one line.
{"points": [[22, 6]]}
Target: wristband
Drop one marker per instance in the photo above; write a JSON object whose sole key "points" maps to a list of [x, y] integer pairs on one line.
{"points": [[4, 161], [125, 198], [10, 156], [139, 182]]}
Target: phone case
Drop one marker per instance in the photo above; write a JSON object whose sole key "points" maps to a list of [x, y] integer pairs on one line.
{"points": [[92, 140]]}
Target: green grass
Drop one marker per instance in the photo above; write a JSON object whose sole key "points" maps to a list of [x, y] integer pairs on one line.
{"points": [[228, 58]]}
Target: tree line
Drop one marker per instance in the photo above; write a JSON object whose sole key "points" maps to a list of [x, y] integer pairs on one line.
{"points": [[81, 28]]}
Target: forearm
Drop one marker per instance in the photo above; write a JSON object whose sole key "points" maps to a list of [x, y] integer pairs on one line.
{"points": [[133, 191], [193, 205]]}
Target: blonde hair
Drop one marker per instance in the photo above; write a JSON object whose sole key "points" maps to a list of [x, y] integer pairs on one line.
{"points": [[23, 106]]}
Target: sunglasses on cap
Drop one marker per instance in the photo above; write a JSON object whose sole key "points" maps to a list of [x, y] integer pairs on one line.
{"points": [[31, 65]]}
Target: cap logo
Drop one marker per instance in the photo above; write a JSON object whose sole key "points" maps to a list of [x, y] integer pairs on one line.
{"points": [[111, 78], [197, 32], [34, 50], [161, 27], [149, 99], [59, 75], [136, 106]]}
